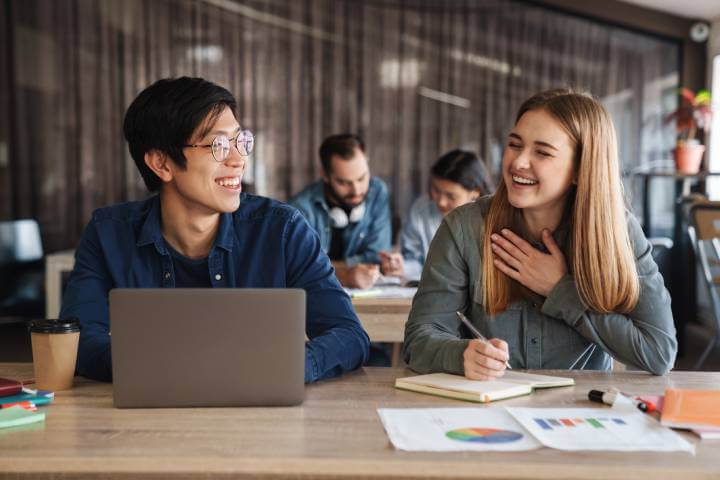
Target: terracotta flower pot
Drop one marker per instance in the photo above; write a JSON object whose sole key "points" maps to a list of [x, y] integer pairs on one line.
{"points": [[688, 158]]}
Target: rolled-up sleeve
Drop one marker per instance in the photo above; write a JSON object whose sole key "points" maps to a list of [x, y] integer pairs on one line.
{"points": [[645, 337], [338, 343], [432, 335], [86, 297]]}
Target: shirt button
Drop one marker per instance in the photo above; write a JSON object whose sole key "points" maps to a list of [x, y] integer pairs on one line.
{"points": [[167, 275], [218, 277], [533, 341]]}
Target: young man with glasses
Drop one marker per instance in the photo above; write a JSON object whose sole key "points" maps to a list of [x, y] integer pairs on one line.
{"points": [[202, 231]]}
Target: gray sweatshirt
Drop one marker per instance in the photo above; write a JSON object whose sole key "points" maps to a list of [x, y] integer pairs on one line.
{"points": [[557, 332]]}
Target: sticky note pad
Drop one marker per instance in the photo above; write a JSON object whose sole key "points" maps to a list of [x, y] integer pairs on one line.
{"points": [[26, 397], [16, 416], [691, 408]]}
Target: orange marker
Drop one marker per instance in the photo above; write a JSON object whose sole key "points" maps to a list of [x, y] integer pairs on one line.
{"points": [[27, 405]]}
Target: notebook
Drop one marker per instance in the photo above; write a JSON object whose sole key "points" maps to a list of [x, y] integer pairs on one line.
{"points": [[696, 409], [16, 416], [707, 433], [9, 387], [26, 397], [704, 433], [512, 384]]}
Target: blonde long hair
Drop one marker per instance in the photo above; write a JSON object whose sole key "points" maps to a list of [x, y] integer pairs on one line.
{"points": [[602, 260]]}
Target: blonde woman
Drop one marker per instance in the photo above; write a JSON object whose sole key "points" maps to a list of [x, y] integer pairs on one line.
{"points": [[551, 268]]}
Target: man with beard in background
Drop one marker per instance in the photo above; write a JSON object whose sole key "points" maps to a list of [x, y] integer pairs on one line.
{"points": [[349, 209]]}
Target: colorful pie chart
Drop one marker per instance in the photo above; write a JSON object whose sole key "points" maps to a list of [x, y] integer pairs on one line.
{"points": [[483, 435]]}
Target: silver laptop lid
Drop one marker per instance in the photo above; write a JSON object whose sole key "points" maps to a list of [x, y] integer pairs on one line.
{"points": [[207, 347]]}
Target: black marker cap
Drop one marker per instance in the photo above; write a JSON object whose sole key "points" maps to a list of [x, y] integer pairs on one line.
{"points": [[596, 396]]}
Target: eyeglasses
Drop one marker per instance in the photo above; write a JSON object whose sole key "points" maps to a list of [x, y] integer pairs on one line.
{"points": [[220, 146]]}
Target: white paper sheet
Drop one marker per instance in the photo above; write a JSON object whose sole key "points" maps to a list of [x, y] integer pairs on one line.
{"points": [[382, 292], [455, 429], [618, 429]]}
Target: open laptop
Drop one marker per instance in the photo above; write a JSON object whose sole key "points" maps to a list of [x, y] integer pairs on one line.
{"points": [[175, 347]]}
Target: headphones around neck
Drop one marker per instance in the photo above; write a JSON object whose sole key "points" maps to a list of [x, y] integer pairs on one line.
{"points": [[340, 219]]}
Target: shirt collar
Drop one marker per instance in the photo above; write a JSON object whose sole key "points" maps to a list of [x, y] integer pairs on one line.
{"points": [[560, 234], [317, 195], [225, 234], [151, 232]]}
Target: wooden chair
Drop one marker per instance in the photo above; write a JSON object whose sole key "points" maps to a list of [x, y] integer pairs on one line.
{"points": [[704, 231]]}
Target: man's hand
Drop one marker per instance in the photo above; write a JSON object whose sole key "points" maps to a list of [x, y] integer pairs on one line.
{"points": [[362, 275], [485, 360], [392, 264], [519, 260]]}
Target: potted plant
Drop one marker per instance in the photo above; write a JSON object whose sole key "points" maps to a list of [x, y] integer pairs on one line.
{"points": [[692, 115]]}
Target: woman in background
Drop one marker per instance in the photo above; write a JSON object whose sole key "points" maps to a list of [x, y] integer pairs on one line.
{"points": [[457, 178], [551, 267]]}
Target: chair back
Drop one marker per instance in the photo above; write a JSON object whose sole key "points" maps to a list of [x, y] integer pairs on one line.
{"points": [[704, 226], [704, 232], [21, 286], [20, 241], [21, 269], [705, 219]]}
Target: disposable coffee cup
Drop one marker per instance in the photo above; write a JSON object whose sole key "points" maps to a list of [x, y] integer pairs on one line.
{"points": [[54, 349]]}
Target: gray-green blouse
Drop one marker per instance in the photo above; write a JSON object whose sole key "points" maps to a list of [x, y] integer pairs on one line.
{"points": [[557, 333]]}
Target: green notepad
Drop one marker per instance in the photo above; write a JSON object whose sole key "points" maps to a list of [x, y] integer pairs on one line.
{"points": [[16, 416]]}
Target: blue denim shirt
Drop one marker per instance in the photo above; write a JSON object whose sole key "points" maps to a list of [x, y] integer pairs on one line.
{"points": [[362, 240], [263, 244]]}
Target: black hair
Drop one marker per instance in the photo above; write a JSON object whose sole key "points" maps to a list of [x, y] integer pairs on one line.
{"points": [[342, 145], [464, 168], [165, 115]]}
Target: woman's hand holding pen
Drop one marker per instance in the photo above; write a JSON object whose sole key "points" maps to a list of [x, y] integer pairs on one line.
{"points": [[485, 360], [519, 260]]}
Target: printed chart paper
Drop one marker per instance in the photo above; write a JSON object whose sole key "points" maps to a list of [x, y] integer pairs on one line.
{"points": [[455, 429], [615, 429]]}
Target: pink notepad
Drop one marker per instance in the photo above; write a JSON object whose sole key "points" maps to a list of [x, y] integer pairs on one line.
{"points": [[703, 433]]}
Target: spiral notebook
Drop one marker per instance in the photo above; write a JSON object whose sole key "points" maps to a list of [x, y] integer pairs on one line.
{"points": [[512, 384]]}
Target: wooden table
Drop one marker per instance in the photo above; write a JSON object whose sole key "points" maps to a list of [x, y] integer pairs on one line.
{"points": [[55, 265], [336, 433], [384, 320]]}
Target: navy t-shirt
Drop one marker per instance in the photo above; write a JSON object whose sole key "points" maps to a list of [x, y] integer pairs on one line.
{"points": [[189, 273]]}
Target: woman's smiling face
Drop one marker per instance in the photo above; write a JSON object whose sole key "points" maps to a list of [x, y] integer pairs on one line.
{"points": [[538, 163]]}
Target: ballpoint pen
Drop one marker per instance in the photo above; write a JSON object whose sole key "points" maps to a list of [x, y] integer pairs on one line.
{"points": [[476, 332]]}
